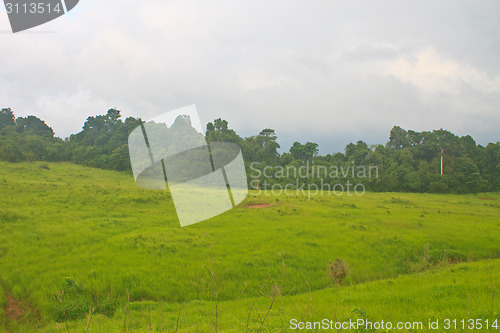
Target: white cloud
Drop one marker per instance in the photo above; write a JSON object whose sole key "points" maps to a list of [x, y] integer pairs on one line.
{"points": [[434, 73]]}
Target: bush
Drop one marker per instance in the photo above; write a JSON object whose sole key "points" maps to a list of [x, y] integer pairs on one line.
{"points": [[337, 271], [438, 187]]}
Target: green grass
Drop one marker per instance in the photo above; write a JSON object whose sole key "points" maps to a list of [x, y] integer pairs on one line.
{"points": [[73, 237], [3, 302], [462, 291]]}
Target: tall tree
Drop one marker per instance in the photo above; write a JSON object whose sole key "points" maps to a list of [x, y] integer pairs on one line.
{"points": [[304, 152], [398, 138], [7, 118], [219, 131], [34, 125], [298, 151]]}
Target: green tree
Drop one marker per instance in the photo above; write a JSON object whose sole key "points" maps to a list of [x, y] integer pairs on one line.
{"points": [[357, 152], [7, 118], [398, 138], [304, 152], [34, 125], [219, 131]]}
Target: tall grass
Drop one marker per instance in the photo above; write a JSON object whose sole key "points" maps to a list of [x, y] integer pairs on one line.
{"points": [[75, 238]]}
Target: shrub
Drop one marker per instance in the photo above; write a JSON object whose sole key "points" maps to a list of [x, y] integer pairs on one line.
{"points": [[337, 271]]}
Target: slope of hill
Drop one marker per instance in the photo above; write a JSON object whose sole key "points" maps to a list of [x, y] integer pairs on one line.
{"points": [[75, 240]]}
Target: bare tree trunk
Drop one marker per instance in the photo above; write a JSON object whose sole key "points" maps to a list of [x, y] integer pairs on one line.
{"points": [[442, 150]]}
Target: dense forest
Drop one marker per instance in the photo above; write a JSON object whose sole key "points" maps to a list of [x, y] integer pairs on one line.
{"points": [[434, 161]]}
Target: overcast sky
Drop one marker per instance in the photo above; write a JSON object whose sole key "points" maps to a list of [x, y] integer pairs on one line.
{"points": [[330, 72]]}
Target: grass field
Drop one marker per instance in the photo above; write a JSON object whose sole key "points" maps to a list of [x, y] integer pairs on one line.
{"points": [[86, 248]]}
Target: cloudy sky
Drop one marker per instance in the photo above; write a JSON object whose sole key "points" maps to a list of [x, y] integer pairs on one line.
{"points": [[327, 71]]}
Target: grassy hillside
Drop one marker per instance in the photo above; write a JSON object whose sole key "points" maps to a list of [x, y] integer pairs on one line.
{"points": [[75, 238], [465, 291]]}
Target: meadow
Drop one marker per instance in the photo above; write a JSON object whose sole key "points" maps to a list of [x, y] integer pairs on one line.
{"points": [[83, 249]]}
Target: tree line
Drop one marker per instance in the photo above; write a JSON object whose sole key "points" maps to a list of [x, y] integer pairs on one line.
{"points": [[430, 161]]}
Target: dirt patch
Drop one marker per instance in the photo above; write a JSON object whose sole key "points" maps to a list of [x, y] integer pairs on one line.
{"points": [[13, 309], [259, 205]]}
